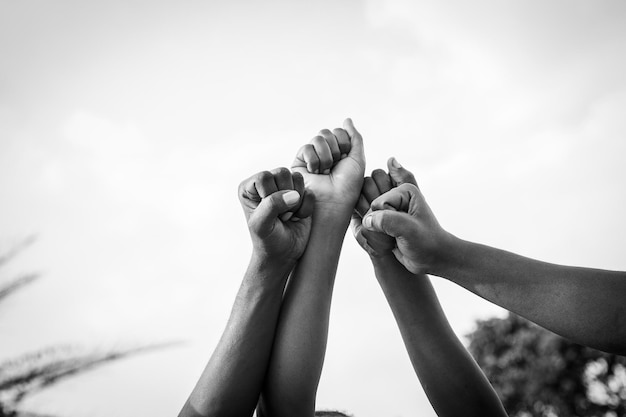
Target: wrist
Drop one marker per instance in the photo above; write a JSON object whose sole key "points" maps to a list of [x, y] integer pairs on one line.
{"points": [[263, 282], [272, 267], [384, 259], [390, 273], [449, 255], [332, 215]]}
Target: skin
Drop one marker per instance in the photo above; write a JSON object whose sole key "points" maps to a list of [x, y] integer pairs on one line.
{"points": [[452, 380], [231, 383], [332, 165], [582, 304]]}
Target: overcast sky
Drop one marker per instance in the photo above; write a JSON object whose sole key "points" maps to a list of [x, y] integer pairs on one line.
{"points": [[126, 127]]}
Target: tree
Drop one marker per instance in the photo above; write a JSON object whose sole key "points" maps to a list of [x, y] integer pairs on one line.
{"points": [[33, 371], [537, 373]]}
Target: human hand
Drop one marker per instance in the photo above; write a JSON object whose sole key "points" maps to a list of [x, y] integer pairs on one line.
{"points": [[332, 166], [403, 214], [278, 210], [378, 244]]}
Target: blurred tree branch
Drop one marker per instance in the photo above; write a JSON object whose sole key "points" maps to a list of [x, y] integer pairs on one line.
{"points": [[32, 372]]}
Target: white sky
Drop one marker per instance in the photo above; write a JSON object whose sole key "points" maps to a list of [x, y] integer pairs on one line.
{"points": [[126, 127]]}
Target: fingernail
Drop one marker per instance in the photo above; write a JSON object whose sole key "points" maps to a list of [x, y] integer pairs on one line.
{"points": [[292, 197], [395, 163], [286, 216], [343, 155], [295, 219], [367, 221], [327, 171], [317, 171]]}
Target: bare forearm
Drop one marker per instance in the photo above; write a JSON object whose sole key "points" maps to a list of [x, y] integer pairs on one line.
{"points": [[231, 383], [300, 345], [582, 304], [453, 382]]}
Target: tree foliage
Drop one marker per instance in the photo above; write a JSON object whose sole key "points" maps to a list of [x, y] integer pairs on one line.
{"points": [[537, 373]]}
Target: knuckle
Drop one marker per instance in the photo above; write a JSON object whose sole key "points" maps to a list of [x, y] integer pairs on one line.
{"points": [[370, 184], [282, 171], [264, 176], [298, 179], [308, 151], [406, 187], [242, 186], [379, 173], [242, 194]]}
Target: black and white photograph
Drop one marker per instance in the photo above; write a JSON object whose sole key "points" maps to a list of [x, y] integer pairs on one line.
{"points": [[313, 209]]}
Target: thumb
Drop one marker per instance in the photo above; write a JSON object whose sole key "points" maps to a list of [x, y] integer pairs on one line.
{"points": [[390, 222], [264, 216], [399, 174], [356, 140]]}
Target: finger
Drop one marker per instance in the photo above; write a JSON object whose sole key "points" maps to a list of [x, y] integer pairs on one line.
{"points": [[382, 180], [343, 140], [307, 157], [356, 141], [265, 184], [263, 218], [369, 190], [288, 181], [357, 230], [307, 203], [389, 222], [298, 185], [399, 175], [355, 225], [399, 198], [323, 153], [331, 140], [362, 206], [282, 178], [247, 191], [369, 235]]}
